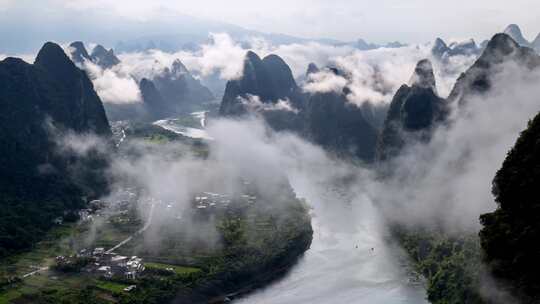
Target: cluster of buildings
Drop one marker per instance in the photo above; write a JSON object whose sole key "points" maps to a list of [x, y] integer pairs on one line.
{"points": [[211, 200], [106, 264], [110, 264], [208, 200], [96, 208]]}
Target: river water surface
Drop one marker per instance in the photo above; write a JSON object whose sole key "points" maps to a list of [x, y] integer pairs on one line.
{"points": [[348, 262]]}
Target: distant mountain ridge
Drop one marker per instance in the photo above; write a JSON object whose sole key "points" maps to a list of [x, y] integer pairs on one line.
{"points": [[100, 56], [418, 108], [441, 50], [327, 119], [172, 91], [270, 79], [515, 32], [180, 89], [477, 79]]}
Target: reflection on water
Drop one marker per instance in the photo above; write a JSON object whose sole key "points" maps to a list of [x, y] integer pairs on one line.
{"points": [[348, 261], [175, 125]]}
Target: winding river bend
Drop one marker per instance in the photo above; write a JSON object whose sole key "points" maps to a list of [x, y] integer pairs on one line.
{"points": [[348, 262]]}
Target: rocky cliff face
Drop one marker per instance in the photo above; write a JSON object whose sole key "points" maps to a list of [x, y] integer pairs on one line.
{"points": [[78, 52], [153, 103], [103, 57], [500, 49], [68, 95], [442, 51], [413, 112], [100, 56], [327, 119], [514, 31], [339, 126], [40, 103], [270, 79], [180, 90]]}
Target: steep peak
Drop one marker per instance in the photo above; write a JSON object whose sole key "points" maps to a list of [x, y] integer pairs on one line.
{"points": [[252, 64], [423, 75], [78, 52], [277, 66], [514, 31], [440, 43], [99, 50], [178, 68], [500, 45], [274, 59], [439, 47], [103, 57], [281, 75], [150, 93], [52, 57], [252, 57], [477, 79], [312, 69]]}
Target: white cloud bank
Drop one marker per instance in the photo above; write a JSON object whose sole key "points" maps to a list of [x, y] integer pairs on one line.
{"points": [[372, 76], [448, 181], [112, 85]]}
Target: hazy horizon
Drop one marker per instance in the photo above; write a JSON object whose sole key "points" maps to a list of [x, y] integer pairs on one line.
{"points": [[23, 27]]}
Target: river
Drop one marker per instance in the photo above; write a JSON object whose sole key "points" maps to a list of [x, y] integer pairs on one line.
{"points": [[349, 262], [196, 132]]}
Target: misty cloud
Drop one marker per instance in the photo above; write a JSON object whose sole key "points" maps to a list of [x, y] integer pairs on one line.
{"points": [[448, 181], [225, 56], [324, 82], [451, 176], [372, 76], [113, 85], [254, 103]]}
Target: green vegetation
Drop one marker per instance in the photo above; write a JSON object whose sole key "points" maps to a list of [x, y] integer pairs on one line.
{"points": [[37, 175], [189, 121], [511, 233], [256, 243], [451, 265], [218, 251], [180, 270], [157, 138], [113, 287]]}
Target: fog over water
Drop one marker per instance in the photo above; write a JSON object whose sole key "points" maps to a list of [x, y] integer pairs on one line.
{"points": [[350, 259], [341, 266]]}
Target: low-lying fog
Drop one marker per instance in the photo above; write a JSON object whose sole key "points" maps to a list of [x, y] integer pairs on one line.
{"points": [[446, 182], [349, 260]]}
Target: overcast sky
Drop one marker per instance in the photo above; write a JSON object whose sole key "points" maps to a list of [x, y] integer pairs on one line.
{"points": [[377, 21]]}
